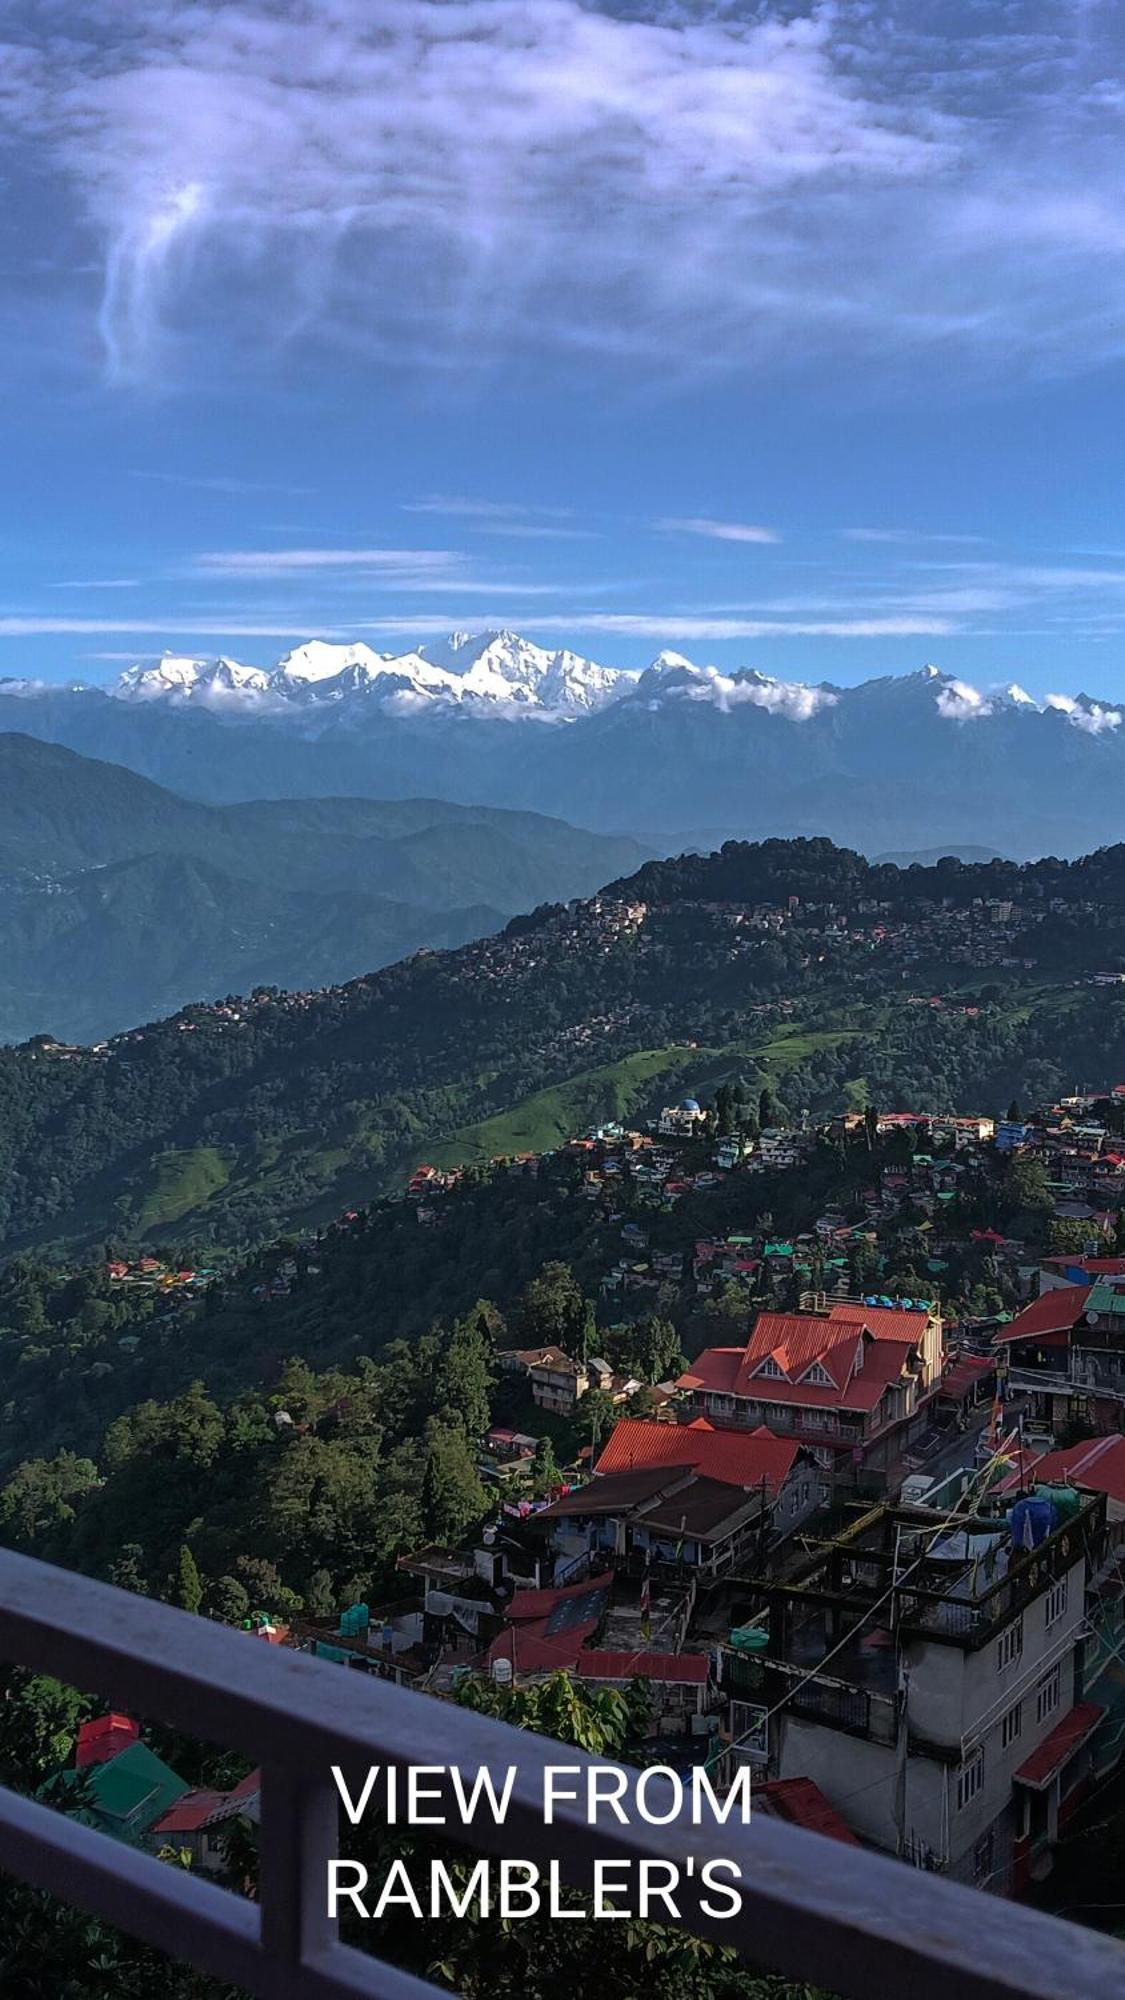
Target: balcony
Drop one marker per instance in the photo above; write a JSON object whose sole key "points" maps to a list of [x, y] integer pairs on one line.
{"points": [[812, 1909]]}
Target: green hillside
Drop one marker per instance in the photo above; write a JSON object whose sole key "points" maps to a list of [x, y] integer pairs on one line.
{"points": [[119, 902]]}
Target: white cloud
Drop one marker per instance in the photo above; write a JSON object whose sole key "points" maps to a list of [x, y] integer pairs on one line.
{"points": [[30, 625], [653, 625], [692, 185], [282, 562], [217, 482], [718, 531], [791, 699], [1088, 716], [904, 537], [959, 702]]}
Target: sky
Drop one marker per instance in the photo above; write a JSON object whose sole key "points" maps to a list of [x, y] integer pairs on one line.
{"points": [[784, 336]]}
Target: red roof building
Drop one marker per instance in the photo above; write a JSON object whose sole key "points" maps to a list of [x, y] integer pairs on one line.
{"points": [[848, 1379], [687, 1495], [732, 1458], [1049, 1319]]}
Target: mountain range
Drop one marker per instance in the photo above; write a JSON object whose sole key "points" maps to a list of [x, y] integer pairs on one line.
{"points": [[120, 901], [679, 755]]}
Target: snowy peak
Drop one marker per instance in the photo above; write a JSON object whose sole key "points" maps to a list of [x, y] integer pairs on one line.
{"points": [[672, 677], [501, 674], [489, 672], [177, 678]]}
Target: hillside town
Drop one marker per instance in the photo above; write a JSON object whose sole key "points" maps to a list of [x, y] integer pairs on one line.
{"points": [[867, 1544]]}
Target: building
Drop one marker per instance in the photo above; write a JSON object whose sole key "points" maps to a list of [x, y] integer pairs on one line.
{"points": [[681, 1121], [200, 1821], [125, 1794], [853, 1379], [1066, 1350], [687, 1495], [556, 1381], [927, 1675]]}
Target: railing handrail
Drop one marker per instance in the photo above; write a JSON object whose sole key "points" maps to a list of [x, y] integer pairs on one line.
{"points": [[817, 1910]]}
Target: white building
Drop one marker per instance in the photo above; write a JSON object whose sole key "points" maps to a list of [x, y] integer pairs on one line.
{"points": [[943, 1714]]}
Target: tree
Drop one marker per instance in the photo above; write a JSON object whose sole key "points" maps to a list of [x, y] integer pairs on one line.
{"points": [[545, 1467], [43, 1495], [452, 1494], [1027, 1185], [228, 1600], [39, 1719], [189, 1582], [464, 1378], [655, 1348], [552, 1312]]}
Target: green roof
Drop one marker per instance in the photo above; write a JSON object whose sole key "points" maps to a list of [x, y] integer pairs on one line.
{"points": [[1105, 1299], [127, 1795]]}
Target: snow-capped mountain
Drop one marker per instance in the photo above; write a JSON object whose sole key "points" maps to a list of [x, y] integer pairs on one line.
{"points": [[497, 672], [217, 684], [503, 675], [683, 752]]}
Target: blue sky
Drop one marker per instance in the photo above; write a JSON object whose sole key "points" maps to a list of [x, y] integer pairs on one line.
{"points": [[783, 336]]}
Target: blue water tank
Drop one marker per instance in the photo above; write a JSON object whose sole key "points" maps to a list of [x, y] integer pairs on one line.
{"points": [[1030, 1522]]}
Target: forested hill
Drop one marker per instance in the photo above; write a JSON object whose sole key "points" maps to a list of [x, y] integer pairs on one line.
{"points": [[817, 870], [226, 1121], [119, 901]]}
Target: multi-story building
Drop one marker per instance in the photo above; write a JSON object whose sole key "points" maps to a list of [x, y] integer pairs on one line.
{"points": [[687, 1495], [927, 1676], [853, 1379], [1066, 1351], [556, 1381]]}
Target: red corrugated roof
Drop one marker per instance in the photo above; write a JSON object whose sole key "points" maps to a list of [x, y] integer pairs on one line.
{"points": [[733, 1458], [190, 1813], [716, 1368], [1097, 1465], [1065, 1738], [1097, 1267], [1056, 1311], [802, 1803], [885, 1322], [883, 1362], [795, 1343], [540, 1603], [965, 1373], [681, 1669]]}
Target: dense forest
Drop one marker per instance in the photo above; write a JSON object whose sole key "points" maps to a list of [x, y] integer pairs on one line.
{"points": [[225, 1122], [818, 870]]}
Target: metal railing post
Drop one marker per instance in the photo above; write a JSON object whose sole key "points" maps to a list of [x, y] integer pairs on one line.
{"points": [[298, 1837]]}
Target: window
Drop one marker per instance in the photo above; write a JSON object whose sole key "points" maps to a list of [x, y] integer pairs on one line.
{"points": [[818, 1374], [1010, 1645], [1048, 1694], [970, 1778], [1011, 1725], [1055, 1602]]}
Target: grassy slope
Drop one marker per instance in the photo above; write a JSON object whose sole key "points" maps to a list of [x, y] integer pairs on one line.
{"points": [[182, 1184], [179, 1187]]}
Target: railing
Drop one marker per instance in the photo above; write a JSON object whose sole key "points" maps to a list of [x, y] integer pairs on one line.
{"points": [[814, 1909]]}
